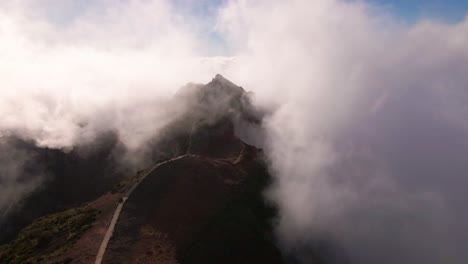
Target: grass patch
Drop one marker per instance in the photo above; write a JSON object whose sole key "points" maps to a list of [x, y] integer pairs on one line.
{"points": [[118, 188], [48, 237], [125, 184]]}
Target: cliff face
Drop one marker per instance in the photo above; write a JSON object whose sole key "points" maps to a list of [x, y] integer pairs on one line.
{"points": [[206, 206]]}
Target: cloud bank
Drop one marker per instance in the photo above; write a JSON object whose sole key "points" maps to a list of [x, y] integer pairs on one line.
{"points": [[101, 66], [71, 71], [367, 139]]}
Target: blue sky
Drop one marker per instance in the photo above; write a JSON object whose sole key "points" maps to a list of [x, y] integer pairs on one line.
{"points": [[408, 10], [413, 10]]}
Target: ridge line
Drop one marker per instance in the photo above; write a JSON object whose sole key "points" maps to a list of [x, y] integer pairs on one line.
{"points": [[118, 209]]}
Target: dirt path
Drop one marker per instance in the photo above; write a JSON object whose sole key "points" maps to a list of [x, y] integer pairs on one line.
{"points": [[118, 210], [109, 232]]}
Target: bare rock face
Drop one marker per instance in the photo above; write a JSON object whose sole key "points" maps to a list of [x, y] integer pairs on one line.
{"points": [[205, 207], [215, 112], [218, 99]]}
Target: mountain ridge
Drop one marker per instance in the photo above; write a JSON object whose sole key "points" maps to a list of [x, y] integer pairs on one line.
{"points": [[182, 209]]}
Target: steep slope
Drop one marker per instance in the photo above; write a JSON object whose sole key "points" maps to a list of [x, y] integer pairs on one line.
{"points": [[197, 210], [204, 207], [68, 178]]}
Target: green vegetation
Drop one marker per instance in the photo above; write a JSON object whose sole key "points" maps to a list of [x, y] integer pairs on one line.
{"points": [[119, 187], [124, 184], [47, 238]]}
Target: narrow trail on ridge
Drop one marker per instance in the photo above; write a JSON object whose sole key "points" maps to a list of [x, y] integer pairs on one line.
{"points": [[118, 210]]}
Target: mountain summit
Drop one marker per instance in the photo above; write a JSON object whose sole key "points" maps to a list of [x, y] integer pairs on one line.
{"points": [[199, 201]]}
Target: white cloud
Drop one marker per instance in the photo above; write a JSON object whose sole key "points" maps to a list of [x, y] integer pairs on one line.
{"points": [[367, 144], [112, 56], [367, 140], [70, 71]]}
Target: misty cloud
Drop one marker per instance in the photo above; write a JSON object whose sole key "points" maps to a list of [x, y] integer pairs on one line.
{"points": [[368, 141], [20, 174], [110, 66], [71, 72], [369, 115]]}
